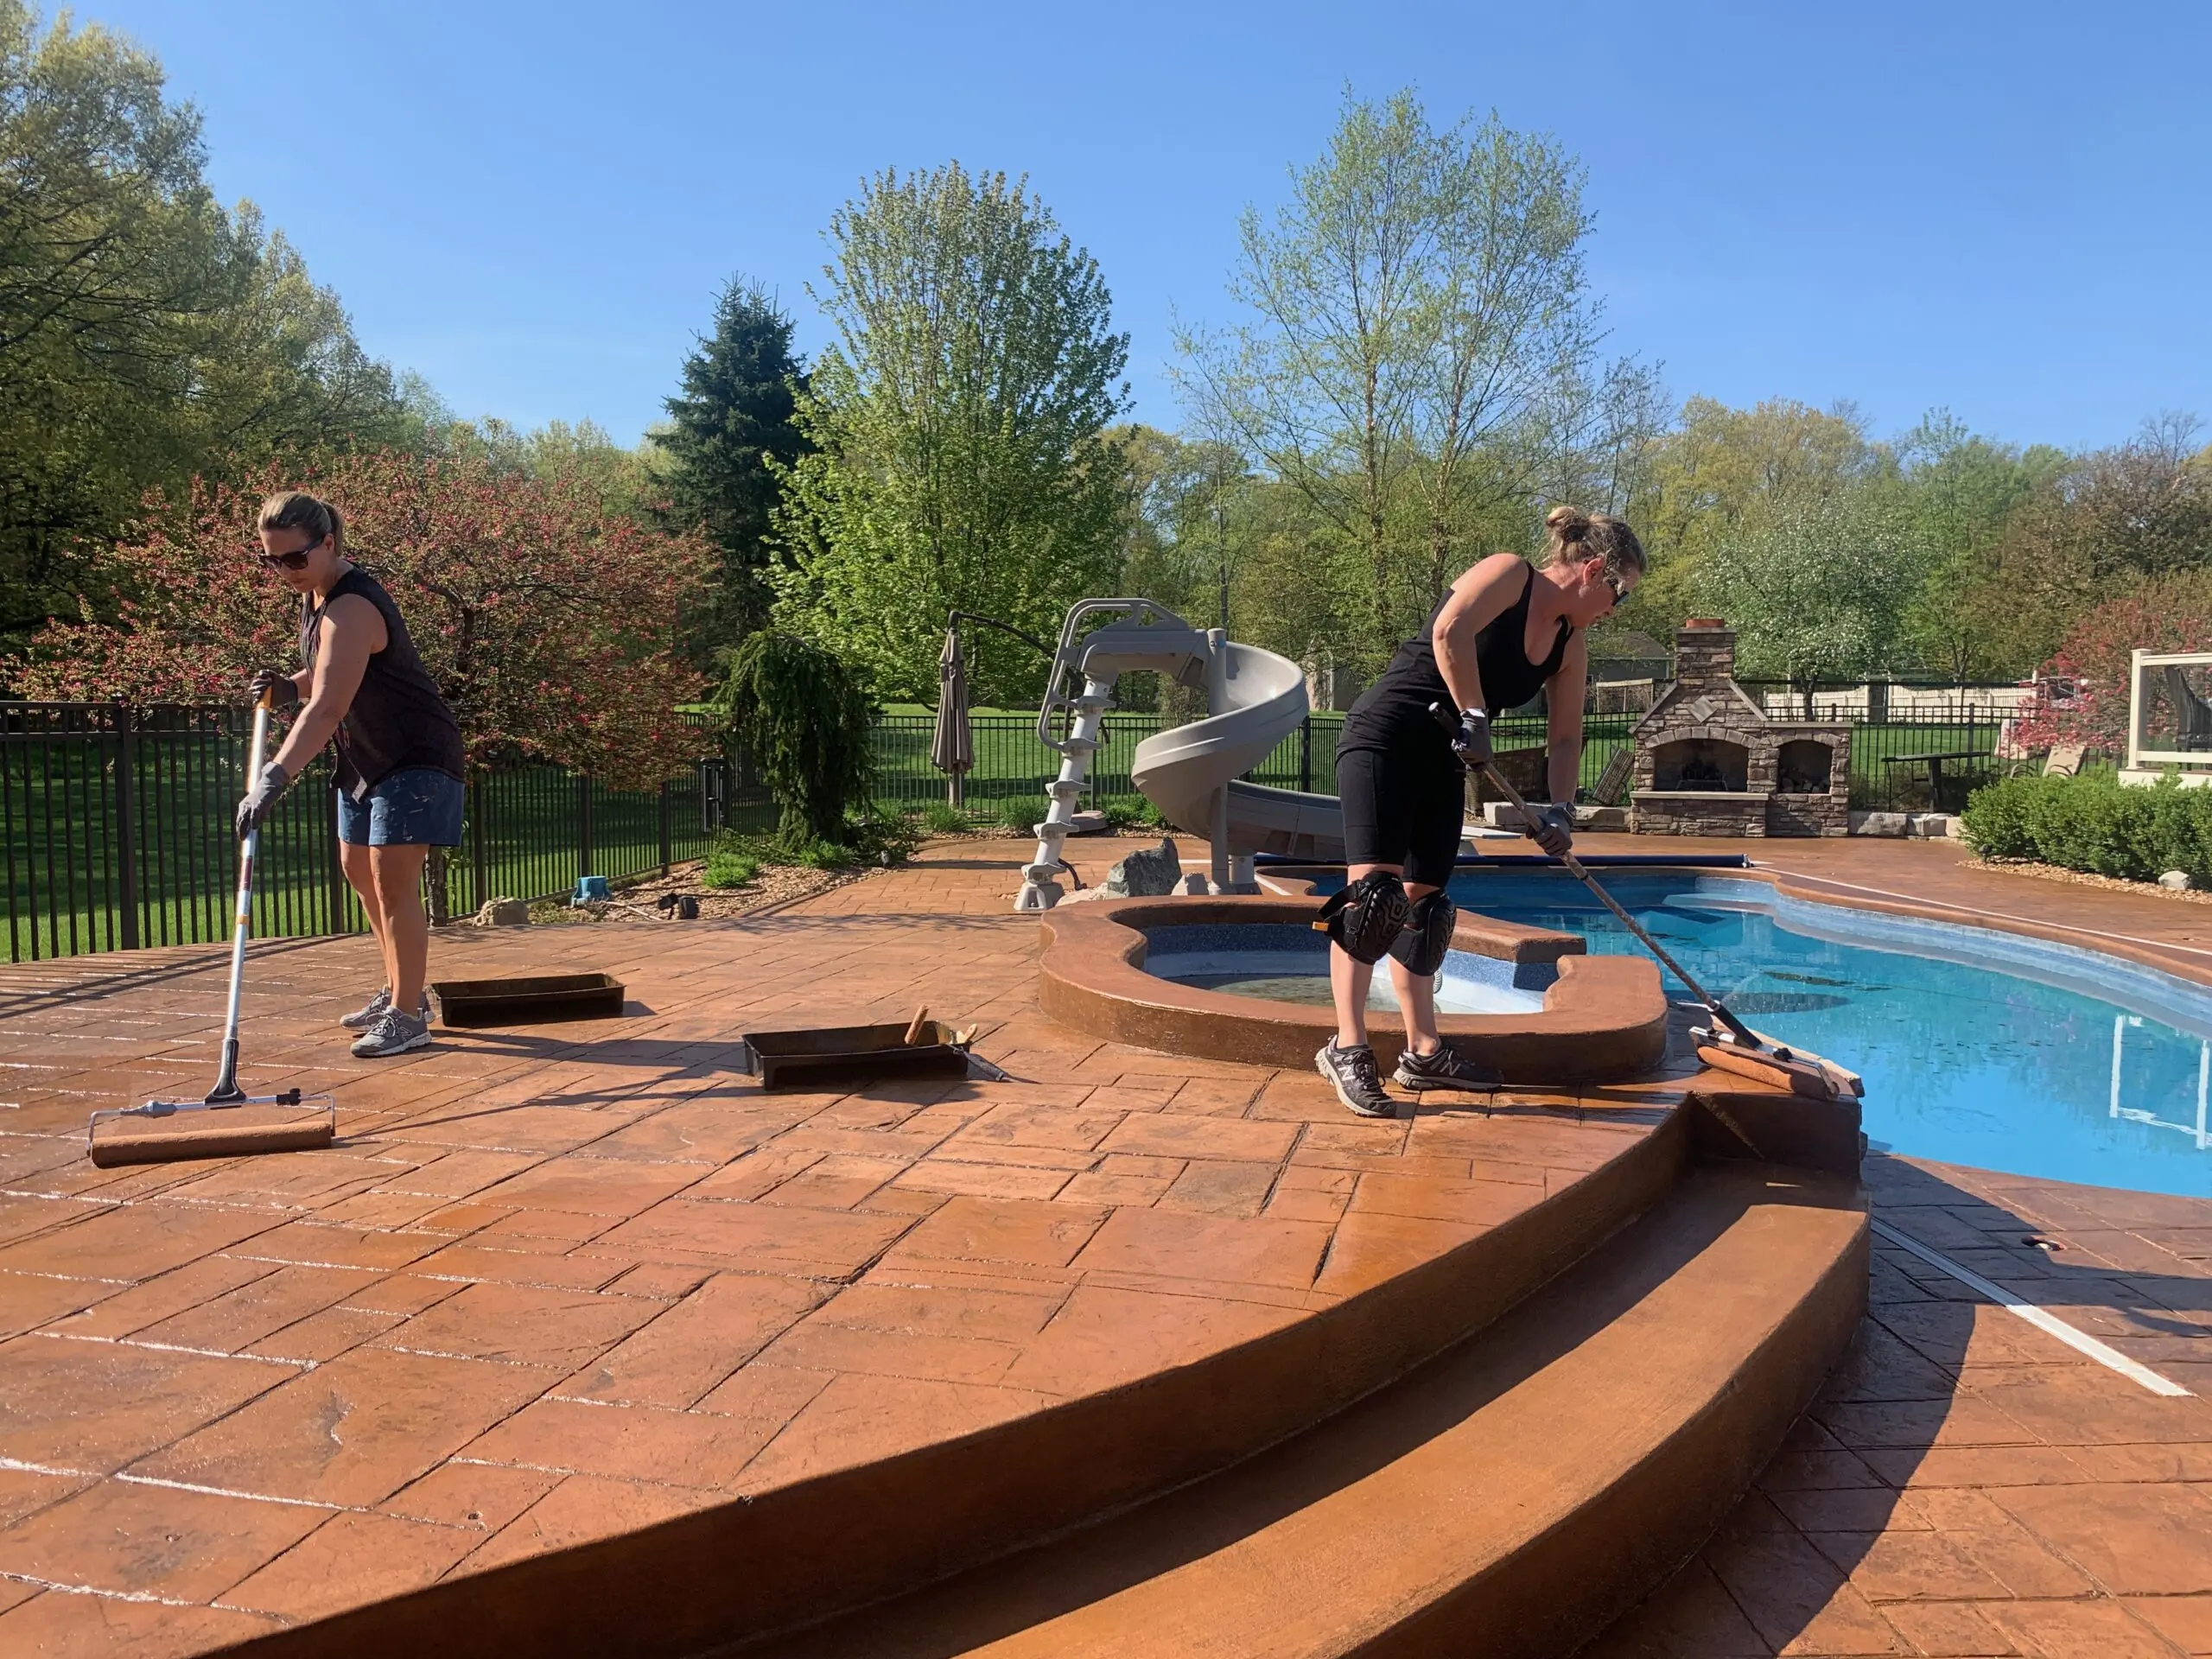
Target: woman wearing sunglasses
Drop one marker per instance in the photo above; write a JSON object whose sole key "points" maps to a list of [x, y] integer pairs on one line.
{"points": [[400, 759], [1506, 631]]}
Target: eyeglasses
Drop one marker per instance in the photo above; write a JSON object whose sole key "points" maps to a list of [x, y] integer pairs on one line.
{"points": [[294, 561], [1619, 588]]}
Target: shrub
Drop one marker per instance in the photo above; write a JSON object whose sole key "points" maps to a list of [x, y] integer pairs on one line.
{"points": [[2092, 823], [1022, 815], [1125, 814], [944, 818], [727, 867], [806, 719]]}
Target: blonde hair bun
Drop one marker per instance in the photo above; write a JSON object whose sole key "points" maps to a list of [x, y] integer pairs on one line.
{"points": [[1567, 524], [1592, 535]]}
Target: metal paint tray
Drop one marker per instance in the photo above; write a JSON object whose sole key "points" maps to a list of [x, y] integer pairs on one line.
{"points": [[830, 1054], [534, 999]]}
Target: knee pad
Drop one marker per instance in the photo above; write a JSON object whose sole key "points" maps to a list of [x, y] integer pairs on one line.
{"points": [[1427, 933], [1366, 916]]}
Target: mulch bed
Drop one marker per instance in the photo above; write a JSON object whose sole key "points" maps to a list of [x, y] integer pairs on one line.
{"points": [[2084, 879], [776, 885]]}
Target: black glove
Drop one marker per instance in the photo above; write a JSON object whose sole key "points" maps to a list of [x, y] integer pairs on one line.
{"points": [[282, 694], [1552, 827], [1471, 742], [261, 799]]}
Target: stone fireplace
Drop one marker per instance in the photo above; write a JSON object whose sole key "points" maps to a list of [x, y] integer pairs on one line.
{"points": [[1710, 761]]}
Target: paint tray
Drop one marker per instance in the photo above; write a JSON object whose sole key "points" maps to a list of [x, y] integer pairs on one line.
{"points": [[535, 1000], [841, 1054]]}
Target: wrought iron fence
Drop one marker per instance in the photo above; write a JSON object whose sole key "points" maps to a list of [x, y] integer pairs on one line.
{"points": [[117, 830]]}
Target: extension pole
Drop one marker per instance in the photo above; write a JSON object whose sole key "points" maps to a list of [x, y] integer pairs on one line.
{"points": [[227, 1091], [1742, 1033]]}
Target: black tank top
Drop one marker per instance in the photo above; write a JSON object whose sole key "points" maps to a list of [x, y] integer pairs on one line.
{"points": [[398, 719], [1393, 713]]}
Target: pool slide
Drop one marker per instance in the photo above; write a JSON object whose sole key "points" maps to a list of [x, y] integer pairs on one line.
{"points": [[1192, 773]]}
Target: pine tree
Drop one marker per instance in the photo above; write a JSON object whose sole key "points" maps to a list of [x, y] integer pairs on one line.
{"points": [[732, 418]]}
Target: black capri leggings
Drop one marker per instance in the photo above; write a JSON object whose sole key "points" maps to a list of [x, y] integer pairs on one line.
{"points": [[1403, 808]]}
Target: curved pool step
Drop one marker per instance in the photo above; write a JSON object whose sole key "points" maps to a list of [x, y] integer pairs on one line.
{"points": [[1509, 1498]]}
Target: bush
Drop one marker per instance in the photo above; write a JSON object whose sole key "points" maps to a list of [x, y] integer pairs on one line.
{"points": [[806, 720], [2091, 824], [1126, 815], [1021, 815], [944, 818], [726, 867]]}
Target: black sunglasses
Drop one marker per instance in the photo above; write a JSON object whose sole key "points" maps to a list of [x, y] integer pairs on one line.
{"points": [[295, 561], [1620, 590]]}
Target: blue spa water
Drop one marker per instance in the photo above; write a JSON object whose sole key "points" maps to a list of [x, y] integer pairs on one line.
{"points": [[1977, 1046]]}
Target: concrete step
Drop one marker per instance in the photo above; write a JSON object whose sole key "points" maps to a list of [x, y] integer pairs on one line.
{"points": [[1509, 1498]]}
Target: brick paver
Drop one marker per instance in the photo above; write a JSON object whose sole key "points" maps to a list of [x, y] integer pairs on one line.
{"points": [[561, 1283]]}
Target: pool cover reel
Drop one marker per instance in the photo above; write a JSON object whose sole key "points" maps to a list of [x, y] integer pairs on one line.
{"points": [[1729, 1045]]}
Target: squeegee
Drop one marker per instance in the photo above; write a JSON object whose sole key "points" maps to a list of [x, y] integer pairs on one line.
{"points": [[1728, 1044], [294, 1121]]}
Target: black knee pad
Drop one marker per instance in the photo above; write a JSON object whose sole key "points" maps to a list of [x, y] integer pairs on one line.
{"points": [[1366, 916], [1427, 933]]}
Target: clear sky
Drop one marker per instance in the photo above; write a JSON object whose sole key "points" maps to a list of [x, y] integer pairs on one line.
{"points": [[2001, 208]]}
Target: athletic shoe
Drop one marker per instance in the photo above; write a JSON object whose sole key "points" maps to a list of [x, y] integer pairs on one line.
{"points": [[394, 1033], [1353, 1073], [374, 1009], [369, 1012], [1446, 1069]]}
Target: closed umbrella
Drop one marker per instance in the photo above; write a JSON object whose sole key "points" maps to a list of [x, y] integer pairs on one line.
{"points": [[952, 745]]}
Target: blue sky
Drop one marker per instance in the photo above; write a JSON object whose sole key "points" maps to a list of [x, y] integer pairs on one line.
{"points": [[1998, 208]]}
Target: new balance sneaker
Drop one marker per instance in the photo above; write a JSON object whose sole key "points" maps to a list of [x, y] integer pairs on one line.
{"points": [[394, 1034], [376, 1007], [369, 1012], [1446, 1069], [1353, 1074]]}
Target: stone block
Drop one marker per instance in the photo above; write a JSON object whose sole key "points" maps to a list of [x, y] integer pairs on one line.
{"points": [[1878, 824], [1146, 875]]}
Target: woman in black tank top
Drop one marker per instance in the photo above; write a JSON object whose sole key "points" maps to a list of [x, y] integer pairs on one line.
{"points": [[1506, 631], [400, 761]]}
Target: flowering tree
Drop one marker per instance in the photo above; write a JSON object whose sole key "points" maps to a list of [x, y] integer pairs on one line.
{"points": [[2172, 614], [549, 623]]}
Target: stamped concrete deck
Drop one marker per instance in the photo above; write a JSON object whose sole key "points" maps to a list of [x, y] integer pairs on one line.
{"points": [[562, 1283]]}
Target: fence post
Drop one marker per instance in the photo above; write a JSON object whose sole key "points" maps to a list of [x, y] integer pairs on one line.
{"points": [[584, 824], [337, 858], [1306, 754], [126, 824], [480, 864], [667, 830]]}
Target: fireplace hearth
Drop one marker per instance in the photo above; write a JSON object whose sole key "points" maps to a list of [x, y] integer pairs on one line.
{"points": [[1710, 761]]}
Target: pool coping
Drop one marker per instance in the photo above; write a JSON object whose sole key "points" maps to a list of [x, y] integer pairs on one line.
{"points": [[1604, 1019]]}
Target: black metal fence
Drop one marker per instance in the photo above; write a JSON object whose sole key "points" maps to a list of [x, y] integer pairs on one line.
{"points": [[118, 831]]}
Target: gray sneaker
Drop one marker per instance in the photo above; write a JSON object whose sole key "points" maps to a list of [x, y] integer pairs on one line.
{"points": [[1353, 1073], [1446, 1069], [394, 1034], [375, 1008]]}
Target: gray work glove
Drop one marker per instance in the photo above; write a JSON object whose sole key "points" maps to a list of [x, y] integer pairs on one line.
{"points": [[261, 799], [282, 694], [1551, 826], [1471, 742]]}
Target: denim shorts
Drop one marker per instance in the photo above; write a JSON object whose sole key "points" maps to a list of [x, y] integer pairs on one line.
{"points": [[417, 806]]}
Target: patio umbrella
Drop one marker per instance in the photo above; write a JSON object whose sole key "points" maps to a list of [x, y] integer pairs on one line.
{"points": [[952, 745]]}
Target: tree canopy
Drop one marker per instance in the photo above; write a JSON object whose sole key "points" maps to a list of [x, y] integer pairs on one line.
{"points": [[959, 430]]}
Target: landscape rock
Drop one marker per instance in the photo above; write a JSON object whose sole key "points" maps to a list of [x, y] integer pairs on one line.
{"points": [[1930, 826], [2175, 880], [503, 912], [1150, 874], [1878, 824]]}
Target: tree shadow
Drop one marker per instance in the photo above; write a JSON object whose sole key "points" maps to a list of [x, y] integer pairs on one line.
{"points": [[1880, 1477]]}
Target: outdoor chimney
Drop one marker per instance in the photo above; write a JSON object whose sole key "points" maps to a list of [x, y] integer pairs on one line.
{"points": [[1705, 655]]}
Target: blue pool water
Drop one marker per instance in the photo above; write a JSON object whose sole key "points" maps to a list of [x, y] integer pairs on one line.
{"points": [[1977, 1046]]}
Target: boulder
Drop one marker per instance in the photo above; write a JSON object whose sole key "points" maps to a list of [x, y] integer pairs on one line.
{"points": [[2175, 881], [503, 912], [1150, 874], [1878, 824], [1930, 826]]}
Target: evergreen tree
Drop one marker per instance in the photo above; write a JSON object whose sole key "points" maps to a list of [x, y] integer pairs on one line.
{"points": [[733, 416]]}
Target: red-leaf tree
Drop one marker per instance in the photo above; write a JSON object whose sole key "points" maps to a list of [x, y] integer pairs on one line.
{"points": [[547, 622], [2170, 614]]}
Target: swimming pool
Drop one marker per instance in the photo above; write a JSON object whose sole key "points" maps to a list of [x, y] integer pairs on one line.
{"points": [[1977, 1046]]}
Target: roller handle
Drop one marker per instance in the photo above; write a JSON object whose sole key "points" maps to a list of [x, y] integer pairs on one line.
{"points": [[1737, 1029]]}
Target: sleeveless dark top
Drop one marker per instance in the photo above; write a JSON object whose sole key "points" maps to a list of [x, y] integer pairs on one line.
{"points": [[1392, 714], [398, 719]]}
